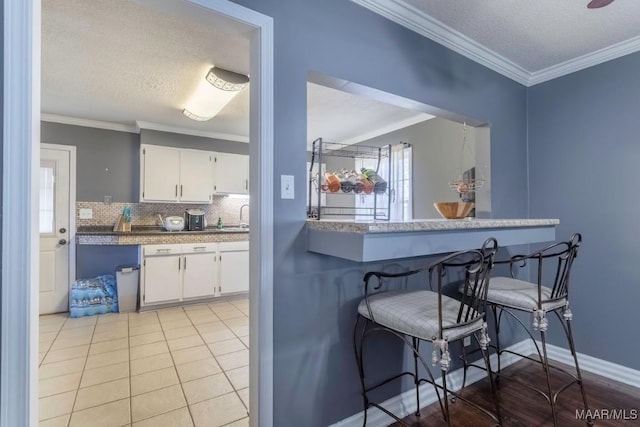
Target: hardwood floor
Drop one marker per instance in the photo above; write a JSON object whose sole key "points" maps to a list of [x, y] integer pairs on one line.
{"points": [[521, 406]]}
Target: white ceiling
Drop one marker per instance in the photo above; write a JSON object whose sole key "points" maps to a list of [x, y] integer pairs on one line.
{"points": [[528, 41], [116, 63]]}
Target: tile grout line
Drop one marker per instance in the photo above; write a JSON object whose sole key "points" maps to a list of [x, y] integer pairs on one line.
{"points": [[129, 359], [225, 371], [190, 324], [174, 365], [82, 373]]}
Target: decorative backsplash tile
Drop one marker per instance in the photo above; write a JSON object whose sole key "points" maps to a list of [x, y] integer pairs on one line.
{"points": [[227, 208]]}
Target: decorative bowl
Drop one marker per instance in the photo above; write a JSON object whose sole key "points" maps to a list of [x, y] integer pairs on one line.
{"points": [[453, 210]]}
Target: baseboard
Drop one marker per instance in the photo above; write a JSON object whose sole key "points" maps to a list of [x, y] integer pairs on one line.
{"points": [[601, 367], [405, 403]]}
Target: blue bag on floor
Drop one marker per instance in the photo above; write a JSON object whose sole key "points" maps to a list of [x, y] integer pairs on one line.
{"points": [[97, 295]]}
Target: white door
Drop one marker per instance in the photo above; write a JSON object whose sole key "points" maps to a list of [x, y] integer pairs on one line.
{"points": [[199, 275], [234, 271], [195, 176], [160, 173], [54, 230], [231, 173], [162, 276]]}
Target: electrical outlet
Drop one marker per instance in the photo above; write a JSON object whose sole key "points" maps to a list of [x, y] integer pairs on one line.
{"points": [[466, 341], [85, 214]]}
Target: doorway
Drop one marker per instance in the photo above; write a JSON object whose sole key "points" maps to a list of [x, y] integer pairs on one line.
{"points": [[56, 226], [21, 121]]}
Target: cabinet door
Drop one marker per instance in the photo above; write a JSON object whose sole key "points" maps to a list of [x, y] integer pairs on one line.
{"points": [[162, 279], [195, 176], [199, 275], [231, 173], [160, 174], [234, 271]]}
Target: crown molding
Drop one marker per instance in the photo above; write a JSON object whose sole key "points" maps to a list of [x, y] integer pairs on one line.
{"points": [[75, 121], [609, 53], [416, 20], [206, 134]]}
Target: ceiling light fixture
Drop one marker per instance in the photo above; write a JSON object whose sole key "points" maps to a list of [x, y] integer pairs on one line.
{"points": [[213, 93]]}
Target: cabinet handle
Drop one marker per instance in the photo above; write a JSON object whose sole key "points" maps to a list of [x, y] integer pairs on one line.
{"points": [[199, 248], [185, 263], [179, 260], [163, 251], [176, 190], [180, 190], [246, 184]]}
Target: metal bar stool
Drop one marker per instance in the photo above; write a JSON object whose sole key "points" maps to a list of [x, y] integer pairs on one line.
{"points": [[428, 315], [507, 295]]}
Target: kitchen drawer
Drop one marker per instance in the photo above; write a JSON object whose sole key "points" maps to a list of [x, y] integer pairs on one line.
{"points": [[189, 248], [157, 250], [235, 246]]}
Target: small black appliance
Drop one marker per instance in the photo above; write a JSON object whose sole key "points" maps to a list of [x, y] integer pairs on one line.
{"points": [[195, 219]]}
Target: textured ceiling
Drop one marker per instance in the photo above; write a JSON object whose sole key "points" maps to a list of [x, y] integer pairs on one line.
{"points": [[537, 34], [116, 61]]}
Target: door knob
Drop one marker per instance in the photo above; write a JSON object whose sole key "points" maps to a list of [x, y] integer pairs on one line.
{"points": [[62, 242]]}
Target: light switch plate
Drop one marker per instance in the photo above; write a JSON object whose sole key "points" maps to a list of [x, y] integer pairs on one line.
{"points": [[85, 213], [286, 187]]}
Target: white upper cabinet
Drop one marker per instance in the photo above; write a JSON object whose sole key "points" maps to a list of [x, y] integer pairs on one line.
{"points": [[169, 174], [195, 176], [230, 173], [159, 173]]}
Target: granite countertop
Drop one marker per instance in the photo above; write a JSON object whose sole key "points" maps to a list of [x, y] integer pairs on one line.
{"points": [[147, 230], [367, 227]]}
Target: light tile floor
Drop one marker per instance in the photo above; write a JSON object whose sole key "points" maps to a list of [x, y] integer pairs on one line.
{"points": [[182, 366]]}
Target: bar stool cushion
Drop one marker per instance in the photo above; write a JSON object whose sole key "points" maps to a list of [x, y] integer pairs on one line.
{"points": [[415, 313], [520, 294]]}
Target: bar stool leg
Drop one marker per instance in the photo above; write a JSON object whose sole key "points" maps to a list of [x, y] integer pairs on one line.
{"points": [[492, 385], [446, 398], [497, 317], [545, 365], [416, 378], [578, 374]]}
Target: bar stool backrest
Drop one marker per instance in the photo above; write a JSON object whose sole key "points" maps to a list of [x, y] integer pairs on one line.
{"points": [[476, 283], [553, 266]]}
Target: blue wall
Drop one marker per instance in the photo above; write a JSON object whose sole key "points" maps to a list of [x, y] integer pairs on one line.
{"points": [[584, 151], [315, 379]]}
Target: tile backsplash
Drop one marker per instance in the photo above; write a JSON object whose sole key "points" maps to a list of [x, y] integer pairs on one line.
{"points": [[227, 208]]}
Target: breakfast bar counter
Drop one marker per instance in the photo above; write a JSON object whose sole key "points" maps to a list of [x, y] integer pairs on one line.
{"points": [[365, 241]]}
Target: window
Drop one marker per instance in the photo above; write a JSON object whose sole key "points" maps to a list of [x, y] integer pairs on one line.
{"points": [[401, 184], [47, 197]]}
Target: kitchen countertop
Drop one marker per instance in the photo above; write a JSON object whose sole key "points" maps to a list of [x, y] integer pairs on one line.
{"points": [[423, 224], [365, 241], [147, 235]]}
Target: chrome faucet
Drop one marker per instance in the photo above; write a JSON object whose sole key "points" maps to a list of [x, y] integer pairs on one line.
{"points": [[243, 224]]}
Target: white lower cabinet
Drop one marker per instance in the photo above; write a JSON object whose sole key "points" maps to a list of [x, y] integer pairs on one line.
{"points": [[172, 273], [177, 272], [162, 279], [200, 270], [234, 267]]}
